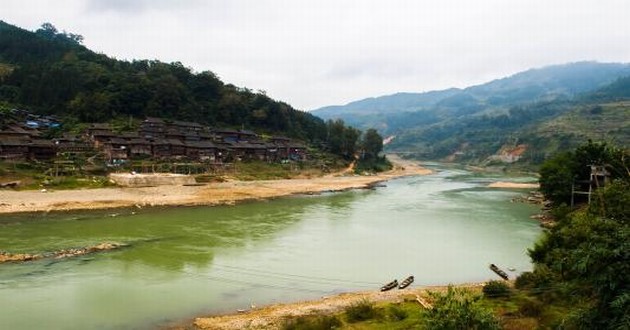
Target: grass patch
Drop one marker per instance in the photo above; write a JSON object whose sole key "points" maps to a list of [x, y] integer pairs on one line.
{"points": [[313, 322], [361, 311]]}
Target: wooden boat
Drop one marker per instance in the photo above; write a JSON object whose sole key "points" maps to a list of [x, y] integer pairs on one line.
{"points": [[406, 282], [499, 271], [389, 285]]}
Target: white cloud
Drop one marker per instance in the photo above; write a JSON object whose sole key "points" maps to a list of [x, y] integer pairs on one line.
{"points": [[316, 53]]}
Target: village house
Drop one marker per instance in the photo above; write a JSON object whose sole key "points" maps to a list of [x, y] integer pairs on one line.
{"points": [[13, 149], [154, 128], [139, 148], [187, 127], [70, 144], [115, 149], [41, 150], [201, 150]]}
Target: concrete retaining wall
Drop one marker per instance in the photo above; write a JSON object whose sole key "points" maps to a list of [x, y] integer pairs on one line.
{"points": [[147, 180]]}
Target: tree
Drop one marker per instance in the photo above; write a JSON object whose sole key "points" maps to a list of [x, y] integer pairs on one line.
{"points": [[556, 177], [372, 143], [558, 174], [588, 252]]}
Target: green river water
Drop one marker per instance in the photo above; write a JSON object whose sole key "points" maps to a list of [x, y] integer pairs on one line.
{"points": [[184, 262]]}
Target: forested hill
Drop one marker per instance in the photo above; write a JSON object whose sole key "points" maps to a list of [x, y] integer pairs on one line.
{"points": [[525, 117], [50, 72]]}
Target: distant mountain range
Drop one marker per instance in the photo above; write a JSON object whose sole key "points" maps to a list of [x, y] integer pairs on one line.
{"points": [[536, 112]]}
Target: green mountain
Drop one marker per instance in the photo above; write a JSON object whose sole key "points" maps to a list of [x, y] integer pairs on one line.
{"points": [[526, 116], [48, 72]]}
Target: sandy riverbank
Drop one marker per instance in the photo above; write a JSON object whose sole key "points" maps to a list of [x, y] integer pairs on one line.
{"points": [[272, 317], [514, 185], [179, 195]]}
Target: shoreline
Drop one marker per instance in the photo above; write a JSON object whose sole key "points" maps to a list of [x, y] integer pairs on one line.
{"points": [[273, 316], [224, 193]]}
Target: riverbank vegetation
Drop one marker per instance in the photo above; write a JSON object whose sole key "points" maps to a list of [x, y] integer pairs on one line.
{"points": [[581, 265], [54, 87]]}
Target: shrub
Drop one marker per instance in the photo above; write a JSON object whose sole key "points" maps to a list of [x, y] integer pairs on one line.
{"points": [[319, 322], [397, 313], [531, 308], [458, 309], [360, 311], [525, 281], [495, 289]]}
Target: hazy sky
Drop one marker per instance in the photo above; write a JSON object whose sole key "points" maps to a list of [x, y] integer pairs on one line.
{"points": [[316, 53]]}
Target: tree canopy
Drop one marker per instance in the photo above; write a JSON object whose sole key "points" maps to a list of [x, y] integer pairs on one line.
{"points": [[585, 259], [52, 73]]}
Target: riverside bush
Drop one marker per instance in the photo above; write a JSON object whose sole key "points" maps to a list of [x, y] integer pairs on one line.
{"points": [[494, 289], [360, 311], [316, 322], [458, 309], [397, 313]]}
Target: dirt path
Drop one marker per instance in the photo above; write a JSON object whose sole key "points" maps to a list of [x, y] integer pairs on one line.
{"points": [[178, 195]]}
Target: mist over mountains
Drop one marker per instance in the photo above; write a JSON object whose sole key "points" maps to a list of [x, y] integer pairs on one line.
{"points": [[543, 109]]}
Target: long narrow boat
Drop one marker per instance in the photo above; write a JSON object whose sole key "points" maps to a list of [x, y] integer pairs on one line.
{"points": [[499, 271], [406, 282], [389, 285]]}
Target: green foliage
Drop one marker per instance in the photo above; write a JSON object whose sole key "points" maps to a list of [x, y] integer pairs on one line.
{"points": [[360, 311], [458, 309], [558, 174], [556, 177], [397, 313], [316, 322], [378, 164], [342, 140], [541, 278], [612, 202], [587, 254], [531, 307], [372, 144], [51, 73], [495, 289]]}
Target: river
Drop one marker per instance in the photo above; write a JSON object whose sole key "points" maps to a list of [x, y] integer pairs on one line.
{"points": [[443, 228]]}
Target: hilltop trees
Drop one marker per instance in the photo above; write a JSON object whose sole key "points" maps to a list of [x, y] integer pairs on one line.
{"points": [[50, 72]]}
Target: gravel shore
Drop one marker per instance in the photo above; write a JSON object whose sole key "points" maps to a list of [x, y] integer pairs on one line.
{"points": [[179, 195]]}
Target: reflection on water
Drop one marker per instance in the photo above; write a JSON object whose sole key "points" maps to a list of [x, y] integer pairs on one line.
{"points": [[182, 262]]}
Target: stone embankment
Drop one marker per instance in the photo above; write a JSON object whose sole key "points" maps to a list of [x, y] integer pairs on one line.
{"points": [[150, 180]]}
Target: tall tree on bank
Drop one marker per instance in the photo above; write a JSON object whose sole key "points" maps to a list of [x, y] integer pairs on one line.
{"points": [[372, 143], [584, 260]]}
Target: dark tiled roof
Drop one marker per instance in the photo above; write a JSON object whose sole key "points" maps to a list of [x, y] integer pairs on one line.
{"points": [[201, 144]]}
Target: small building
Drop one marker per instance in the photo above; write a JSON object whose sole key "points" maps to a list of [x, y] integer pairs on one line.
{"points": [[178, 148], [41, 150], [139, 148], [116, 149], [14, 132], [153, 128], [201, 150], [13, 149]]}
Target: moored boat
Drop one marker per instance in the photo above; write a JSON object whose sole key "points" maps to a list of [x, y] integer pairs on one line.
{"points": [[406, 282], [389, 285], [499, 271]]}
